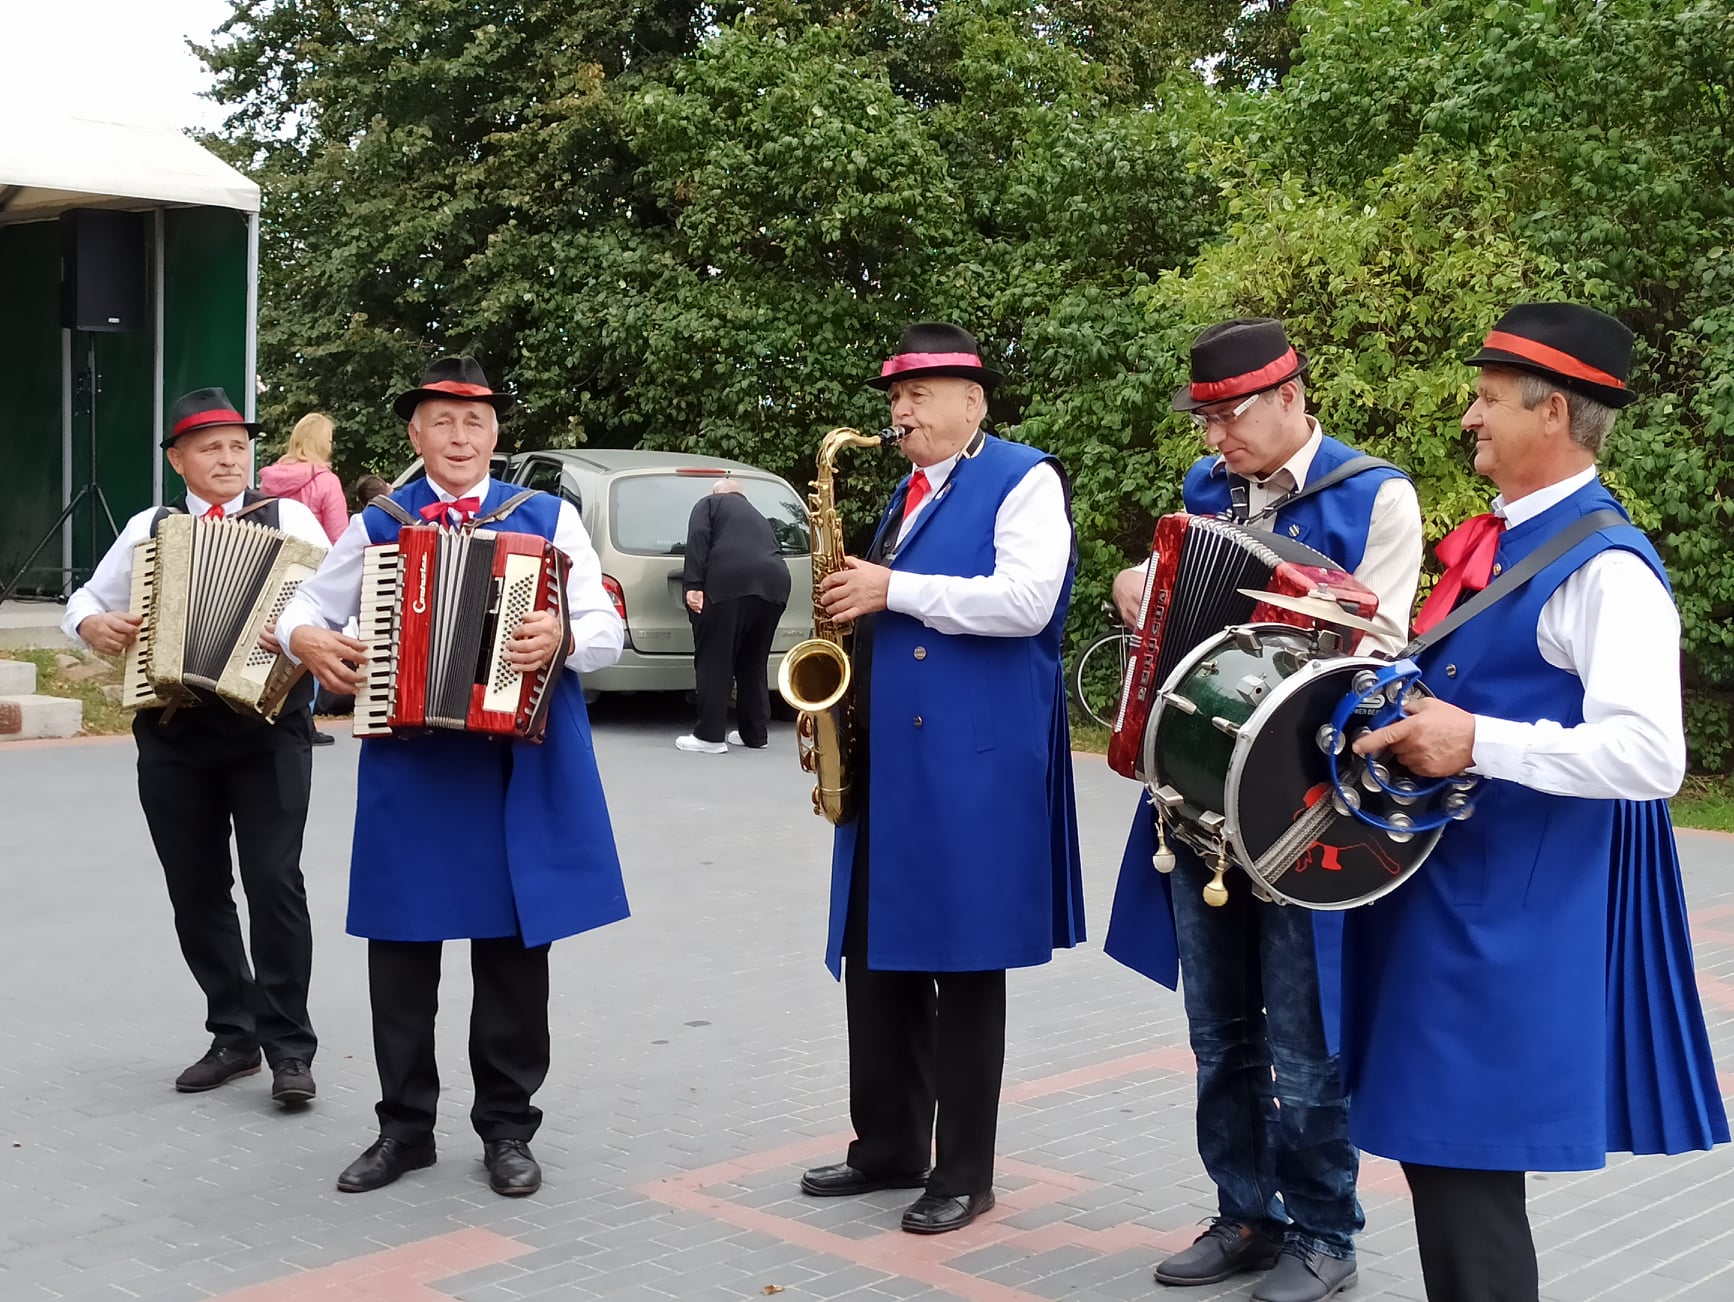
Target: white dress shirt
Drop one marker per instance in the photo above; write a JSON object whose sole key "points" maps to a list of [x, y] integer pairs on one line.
{"points": [[1612, 624], [1391, 564], [1032, 544], [110, 586], [332, 597]]}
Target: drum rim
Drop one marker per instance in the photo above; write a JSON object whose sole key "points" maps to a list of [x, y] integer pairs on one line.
{"points": [[1243, 742]]}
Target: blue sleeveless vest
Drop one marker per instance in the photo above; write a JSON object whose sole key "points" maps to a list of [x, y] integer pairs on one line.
{"points": [[459, 836], [1525, 1002], [973, 837]]}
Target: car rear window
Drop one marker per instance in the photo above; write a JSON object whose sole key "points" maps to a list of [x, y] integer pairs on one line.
{"points": [[648, 513]]}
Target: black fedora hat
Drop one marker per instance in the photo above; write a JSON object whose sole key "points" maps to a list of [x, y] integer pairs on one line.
{"points": [[456, 378], [202, 409], [1577, 348], [935, 348], [1233, 359]]}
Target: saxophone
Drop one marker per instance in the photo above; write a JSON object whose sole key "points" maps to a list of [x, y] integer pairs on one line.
{"points": [[815, 676]]}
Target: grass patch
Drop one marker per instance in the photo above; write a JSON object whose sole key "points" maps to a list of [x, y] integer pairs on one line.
{"points": [[1706, 803], [83, 677], [1088, 735]]}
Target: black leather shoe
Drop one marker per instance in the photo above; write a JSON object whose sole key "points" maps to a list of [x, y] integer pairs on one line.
{"points": [[841, 1180], [292, 1082], [217, 1067], [383, 1162], [1226, 1249], [930, 1214], [1302, 1276], [323, 738], [512, 1172]]}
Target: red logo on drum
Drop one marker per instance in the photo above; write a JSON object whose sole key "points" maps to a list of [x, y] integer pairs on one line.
{"points": [[1330, 857]]}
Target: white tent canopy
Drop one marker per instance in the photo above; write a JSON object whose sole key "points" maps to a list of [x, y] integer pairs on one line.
{"points": [[48, 164]]}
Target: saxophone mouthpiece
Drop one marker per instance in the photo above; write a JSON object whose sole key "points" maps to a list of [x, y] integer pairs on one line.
{"points": [[896, 434]]}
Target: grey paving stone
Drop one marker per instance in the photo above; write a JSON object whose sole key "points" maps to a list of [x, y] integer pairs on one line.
{"points": [[699, 1066]]}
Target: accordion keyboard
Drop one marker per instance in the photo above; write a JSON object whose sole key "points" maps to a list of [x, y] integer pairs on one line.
{"points": [[135, 687], [376, 626]]}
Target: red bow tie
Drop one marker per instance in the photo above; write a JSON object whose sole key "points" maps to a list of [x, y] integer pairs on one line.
{"points": [[465, 508], [215, 513], [1468, 552]]}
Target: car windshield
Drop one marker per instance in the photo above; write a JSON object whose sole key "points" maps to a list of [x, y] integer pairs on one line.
{"points": [[650, 512]]}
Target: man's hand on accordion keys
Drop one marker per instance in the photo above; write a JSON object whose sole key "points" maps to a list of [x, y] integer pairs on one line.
{"points": [[1437, 740], [537, 641], [334, 659], [111, 632], [1128, 592]]}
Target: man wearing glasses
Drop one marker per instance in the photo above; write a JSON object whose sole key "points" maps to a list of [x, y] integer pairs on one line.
{"points": [[1272, 1117]]}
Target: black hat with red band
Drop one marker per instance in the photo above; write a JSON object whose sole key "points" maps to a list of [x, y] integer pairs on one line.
{"points": [[1575, 347], [933, 348], [203, 409], [1235, 359], [456, 379]]}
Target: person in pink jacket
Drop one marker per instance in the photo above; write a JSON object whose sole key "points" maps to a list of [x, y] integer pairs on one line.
{"points": [[303, 473]]}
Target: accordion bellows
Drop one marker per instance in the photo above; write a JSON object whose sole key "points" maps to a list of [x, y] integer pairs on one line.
{"points": [[437, 609], [205, 590]]}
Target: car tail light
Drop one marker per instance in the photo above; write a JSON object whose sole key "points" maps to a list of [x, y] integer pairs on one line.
{"points": [[611, 586]]}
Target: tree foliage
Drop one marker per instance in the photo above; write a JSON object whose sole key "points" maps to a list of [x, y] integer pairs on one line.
{"points": [[700, 226]]}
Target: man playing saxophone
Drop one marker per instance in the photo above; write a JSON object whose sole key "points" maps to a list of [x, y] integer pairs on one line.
{"points": [[962, 858]]}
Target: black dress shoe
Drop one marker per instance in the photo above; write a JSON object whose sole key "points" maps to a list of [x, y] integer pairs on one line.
{"points": [[841, 1180], [292, 1082], [930, 1214], [216, 1068], [1224, 1250], [323, 738], [383, 1162], [512, 1172]]}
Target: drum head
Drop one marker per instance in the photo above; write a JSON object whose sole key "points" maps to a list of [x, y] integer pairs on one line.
{"points": [[1279, 774]]}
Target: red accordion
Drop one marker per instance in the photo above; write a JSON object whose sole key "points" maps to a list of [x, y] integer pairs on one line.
{"points": [[1193, 594], [437, 609]]}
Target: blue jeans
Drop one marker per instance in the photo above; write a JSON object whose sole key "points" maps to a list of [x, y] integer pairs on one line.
{"points": [[1279, 1149]]}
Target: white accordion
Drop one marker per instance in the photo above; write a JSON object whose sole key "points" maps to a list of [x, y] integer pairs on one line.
{"points": [[206, 589]]}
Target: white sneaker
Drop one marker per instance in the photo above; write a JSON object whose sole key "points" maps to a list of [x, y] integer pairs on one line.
{"points": [[689, 742], [734, 739]]}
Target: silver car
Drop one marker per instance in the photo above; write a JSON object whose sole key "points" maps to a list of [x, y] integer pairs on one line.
{"points": [[635, 507]]}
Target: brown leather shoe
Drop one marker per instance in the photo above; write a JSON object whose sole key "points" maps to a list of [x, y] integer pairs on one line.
{"points": [[217, 1067], [292, 1082]]}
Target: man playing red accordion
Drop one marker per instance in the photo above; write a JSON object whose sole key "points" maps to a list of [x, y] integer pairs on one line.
{"points": [[461, 836], [1261, 980]]}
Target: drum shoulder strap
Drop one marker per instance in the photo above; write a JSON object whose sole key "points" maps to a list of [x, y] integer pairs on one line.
{"points": [[1515, 577]]}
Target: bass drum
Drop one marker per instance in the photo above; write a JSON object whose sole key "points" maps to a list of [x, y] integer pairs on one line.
{"points": [[1288, 826]]}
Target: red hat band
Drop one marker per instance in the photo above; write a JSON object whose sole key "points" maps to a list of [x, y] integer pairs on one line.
{"points": [[460, 389], [200, 419], [1251, 382], [914, 361], [1551, 358]]}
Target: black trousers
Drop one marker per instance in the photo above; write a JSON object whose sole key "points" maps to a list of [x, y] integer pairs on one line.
{"points": [[731, 643], [1473, 1228], [508, 1035], [205, 772], [925, 1048], [926, 1058]]}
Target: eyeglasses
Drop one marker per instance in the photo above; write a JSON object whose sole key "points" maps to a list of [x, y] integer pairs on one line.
{"points": [[1227, 417]]}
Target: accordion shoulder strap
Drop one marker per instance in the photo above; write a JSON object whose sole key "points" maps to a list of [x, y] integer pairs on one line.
{"points": [[505, 508], [391, 508], [257, 504], [1348, 470]]}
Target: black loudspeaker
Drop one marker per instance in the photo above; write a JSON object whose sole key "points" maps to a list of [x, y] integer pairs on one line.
{"points": [[102, 269]]}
